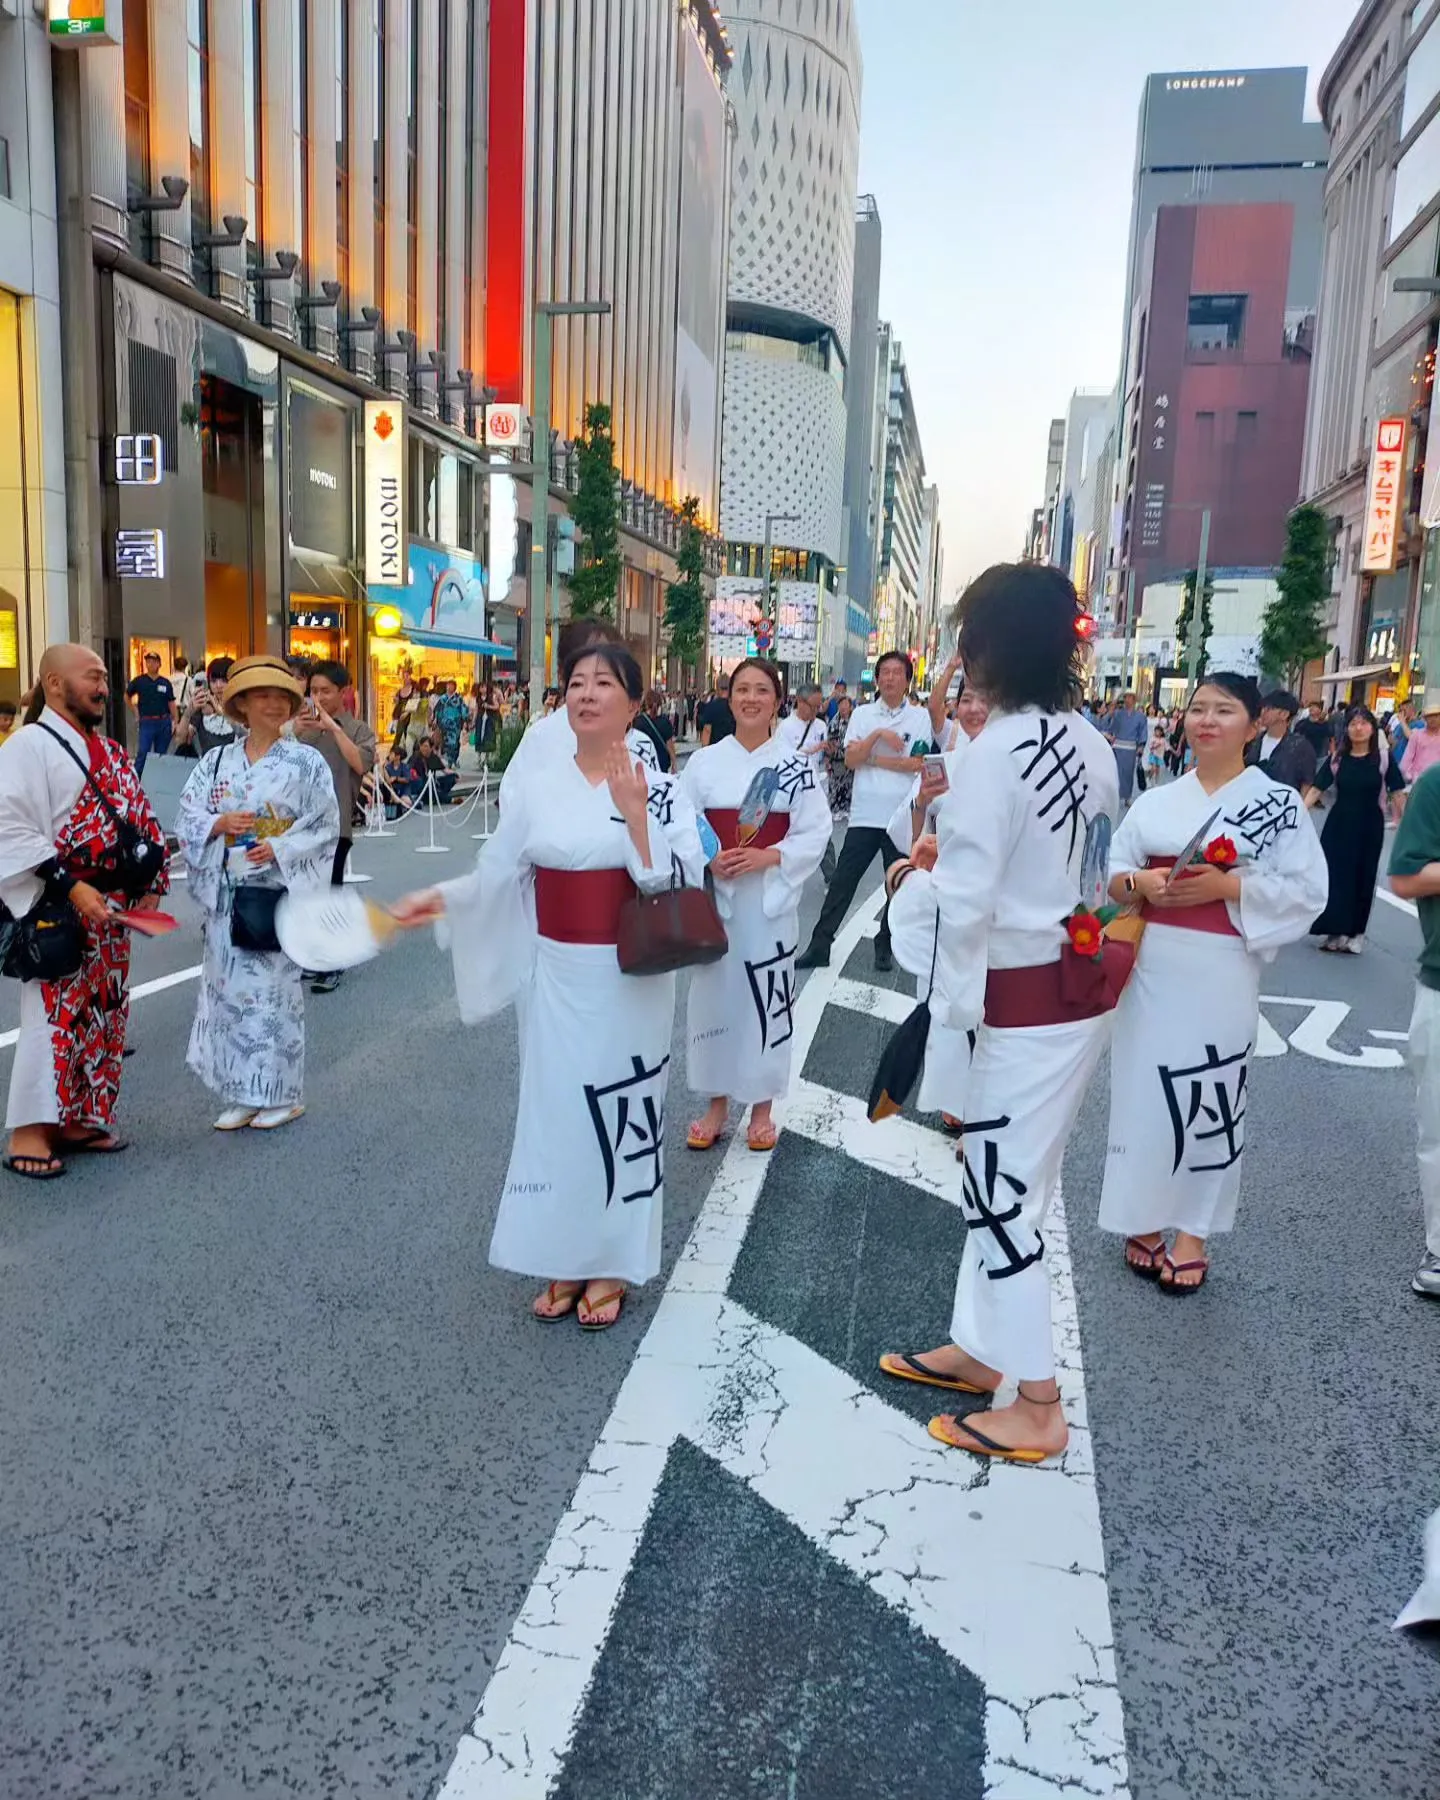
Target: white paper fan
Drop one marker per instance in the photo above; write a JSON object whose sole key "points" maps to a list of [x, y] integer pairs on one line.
{"points": [[331, 928]]}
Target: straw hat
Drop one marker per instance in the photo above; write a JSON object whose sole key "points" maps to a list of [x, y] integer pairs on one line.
{"points": [[253, 672]]}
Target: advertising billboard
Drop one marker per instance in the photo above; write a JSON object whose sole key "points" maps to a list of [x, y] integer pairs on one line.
{"points": [[321, 475], [444, 595], [701, 295], [385, 493], [1382, 501]]}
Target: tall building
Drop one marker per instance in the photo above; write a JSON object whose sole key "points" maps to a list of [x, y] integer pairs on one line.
{"points": [[1220, 379], [34, 588], [1080, 499], [1375, 353], [795, 87], [864, 439], [901, 566], [1049, 510], [932, 583], [1215, 138], [304, 248]]}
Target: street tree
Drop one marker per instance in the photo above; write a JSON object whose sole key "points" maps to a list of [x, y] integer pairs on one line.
{"points": [[1187, 614], [1293, 631], [596, 512], [685, 596]]}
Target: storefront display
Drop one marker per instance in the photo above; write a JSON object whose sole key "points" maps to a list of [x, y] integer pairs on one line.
{"points": [[435, 627]]}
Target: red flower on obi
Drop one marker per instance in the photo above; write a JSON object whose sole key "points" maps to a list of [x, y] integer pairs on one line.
{"points": [[1086, 932], [1221, 853]]}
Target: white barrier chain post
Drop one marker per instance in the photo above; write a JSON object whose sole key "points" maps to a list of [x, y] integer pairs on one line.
{"points": [[431, 793], [484, 831]]}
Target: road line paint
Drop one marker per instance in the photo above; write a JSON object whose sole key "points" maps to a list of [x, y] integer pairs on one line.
{"points": [[1408, 906], [965, 1551], [8, 1039]]}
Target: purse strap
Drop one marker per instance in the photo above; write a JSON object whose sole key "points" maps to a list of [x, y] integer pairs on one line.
{"points": [[115, 818]]}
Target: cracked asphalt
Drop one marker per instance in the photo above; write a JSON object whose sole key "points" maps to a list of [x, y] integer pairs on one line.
{"points": [[280, 1456]]}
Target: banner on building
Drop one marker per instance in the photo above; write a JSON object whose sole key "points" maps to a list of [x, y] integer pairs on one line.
{"points": [[701, 277], [385, 493], [1383, 504]]}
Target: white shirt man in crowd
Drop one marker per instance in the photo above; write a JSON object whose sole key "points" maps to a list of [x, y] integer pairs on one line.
{"points": [[885, 745], [804, 729]]}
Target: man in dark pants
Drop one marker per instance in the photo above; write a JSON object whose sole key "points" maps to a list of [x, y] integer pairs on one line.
{"points": [[348, 746], [885, 745], [154, 701]]}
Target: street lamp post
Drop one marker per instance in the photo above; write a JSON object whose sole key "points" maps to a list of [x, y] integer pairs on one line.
{"points": [[771, 520], [545, 312], [1197, 612]]}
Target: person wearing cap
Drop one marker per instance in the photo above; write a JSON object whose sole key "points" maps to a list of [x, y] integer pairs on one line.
{"points": [[153, 698], [1422, 747], [1283, 754], [257, 815]]}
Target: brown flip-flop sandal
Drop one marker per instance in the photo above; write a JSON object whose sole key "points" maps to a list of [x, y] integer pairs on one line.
{"points": [[915, 1370], [555, 1299], [594, 1324], [1171, 1268], [1156, 1253], [99, 1143]]}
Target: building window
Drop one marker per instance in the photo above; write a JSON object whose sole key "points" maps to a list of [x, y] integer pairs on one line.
{"points": [[197, 79], [254, 134], [300, 101], [377, 129], [1216, 324], [342, 146], [412, 180], [137, 96]]}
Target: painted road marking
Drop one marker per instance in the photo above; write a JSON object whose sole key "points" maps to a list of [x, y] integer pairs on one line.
{"points": [[8, 1039], [1002, 1567]]}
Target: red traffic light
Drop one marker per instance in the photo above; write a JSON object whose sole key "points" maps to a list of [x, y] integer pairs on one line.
{"points": [[1085, 626]]}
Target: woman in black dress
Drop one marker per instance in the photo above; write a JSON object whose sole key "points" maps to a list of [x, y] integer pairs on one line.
{"points": [[1363, 774]]}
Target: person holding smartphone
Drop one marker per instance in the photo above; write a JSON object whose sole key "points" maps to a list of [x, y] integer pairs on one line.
{"points": [[206, 725]]}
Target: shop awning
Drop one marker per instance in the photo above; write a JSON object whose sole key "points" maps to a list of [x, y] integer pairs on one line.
{"points": [[1361, 674], [437, 640]]}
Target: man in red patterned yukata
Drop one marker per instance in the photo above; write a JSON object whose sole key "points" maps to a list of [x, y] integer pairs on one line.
{"points": [[57, 835]]}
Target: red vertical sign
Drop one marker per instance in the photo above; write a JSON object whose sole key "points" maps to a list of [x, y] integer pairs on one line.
{"points": [[505, 203]]}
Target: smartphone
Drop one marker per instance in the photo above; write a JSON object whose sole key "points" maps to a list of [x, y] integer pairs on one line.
{"points": [[936, 772]]}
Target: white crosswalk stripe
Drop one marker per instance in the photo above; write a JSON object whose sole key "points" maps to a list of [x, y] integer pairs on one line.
{"points": [[1002, 1567]]}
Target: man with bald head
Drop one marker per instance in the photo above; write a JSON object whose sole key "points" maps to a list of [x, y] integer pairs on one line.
{"points": [[75, 830]]}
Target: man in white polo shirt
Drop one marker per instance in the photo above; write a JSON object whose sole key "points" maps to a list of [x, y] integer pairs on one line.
{"points": [[885, 744], [804, 729]]}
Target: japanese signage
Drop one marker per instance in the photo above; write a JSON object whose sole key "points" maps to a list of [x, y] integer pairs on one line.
{"points": [[504, 427], [139, 459], [385, 562], [1383, 508], [79, 21], [140, 555], [317, 618], [320, 475], [1157, 457]]}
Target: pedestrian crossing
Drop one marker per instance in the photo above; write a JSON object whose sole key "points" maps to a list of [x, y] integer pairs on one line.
{"points": [[1001, 1568]]}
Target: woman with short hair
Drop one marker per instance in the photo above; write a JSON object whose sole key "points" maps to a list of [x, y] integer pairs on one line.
{"points": [[257, 819], [536, 925]]}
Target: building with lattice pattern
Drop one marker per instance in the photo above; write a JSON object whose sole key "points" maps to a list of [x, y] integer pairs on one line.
{"points": [[795, 87]]}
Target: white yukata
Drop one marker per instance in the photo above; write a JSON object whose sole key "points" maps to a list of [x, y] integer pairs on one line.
{"points": [[1007, 878], [248, 1040], [1186, 1025], [741, 1009], [914, 921], [584, 1192], [551, 740]]}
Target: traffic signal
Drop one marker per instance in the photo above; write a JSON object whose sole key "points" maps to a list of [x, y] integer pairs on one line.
{"points": [[1085, 626]]}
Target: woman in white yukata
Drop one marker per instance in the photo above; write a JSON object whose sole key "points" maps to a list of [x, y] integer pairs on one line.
{"points": [[766, 807], [1185, 1028], [536, 924], [1019, 841], [258, 810], [913, 918]]}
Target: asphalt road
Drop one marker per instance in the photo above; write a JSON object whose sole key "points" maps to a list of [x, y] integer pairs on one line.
{"points": [[292, 1485]]}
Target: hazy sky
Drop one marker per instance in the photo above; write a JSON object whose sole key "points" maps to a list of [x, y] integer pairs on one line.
{"points": [[999, 142]]}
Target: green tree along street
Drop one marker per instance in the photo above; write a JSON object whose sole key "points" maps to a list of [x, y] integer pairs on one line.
{"points": [[596, 511], [1187, 613], [1293, 632], [685, 597]]}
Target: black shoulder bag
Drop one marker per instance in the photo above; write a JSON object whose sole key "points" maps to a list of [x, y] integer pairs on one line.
{"points": [[252, 903], [139, 860]]}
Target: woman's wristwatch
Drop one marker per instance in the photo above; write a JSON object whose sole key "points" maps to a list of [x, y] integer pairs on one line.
{"points": [[1131, 887]]}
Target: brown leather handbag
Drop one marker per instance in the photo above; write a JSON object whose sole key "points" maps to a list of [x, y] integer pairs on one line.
{"points": [[678, 928]]}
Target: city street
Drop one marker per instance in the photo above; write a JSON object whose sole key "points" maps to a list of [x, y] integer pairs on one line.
{"points": [[298, 1500]]}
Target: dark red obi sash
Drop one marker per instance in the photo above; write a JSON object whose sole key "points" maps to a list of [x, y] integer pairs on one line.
{"points": [[725, 823], [1213, 916], [1060, 993], [581, 906]]}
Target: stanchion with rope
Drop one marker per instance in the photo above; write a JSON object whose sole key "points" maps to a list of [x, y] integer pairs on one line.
{"points": [[431, 793], [484, 792]]}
